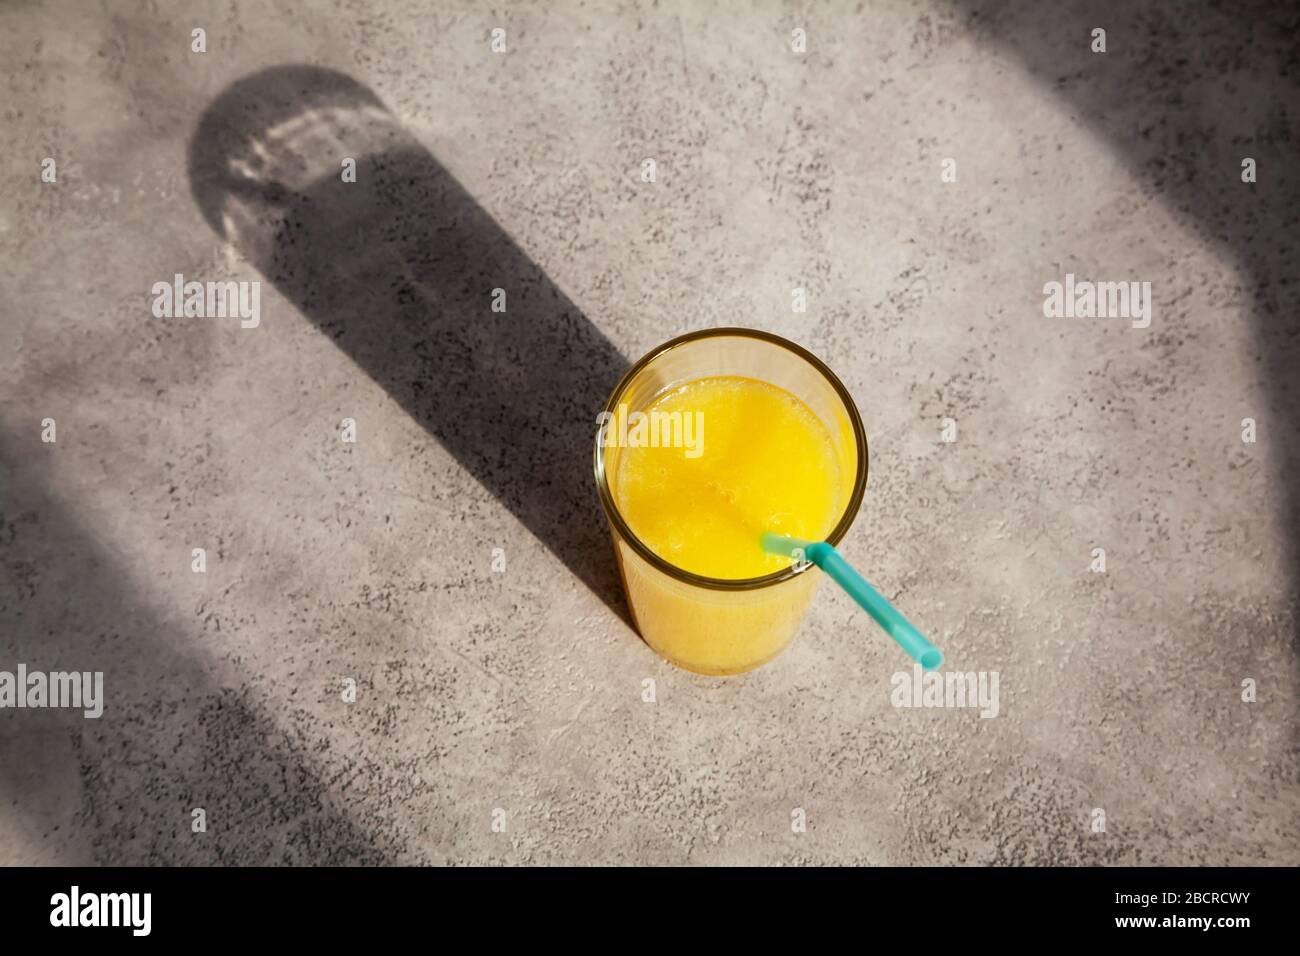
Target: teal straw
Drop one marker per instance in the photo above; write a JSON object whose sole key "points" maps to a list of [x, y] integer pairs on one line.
{"points": [[841, 572]]}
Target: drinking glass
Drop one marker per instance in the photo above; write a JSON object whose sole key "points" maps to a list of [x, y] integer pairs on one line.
{"points": [[720, 625]]}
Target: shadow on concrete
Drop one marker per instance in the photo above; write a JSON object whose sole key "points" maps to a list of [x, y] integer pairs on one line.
{"points": [[170, 739], [399, 269], [1182, 94]]}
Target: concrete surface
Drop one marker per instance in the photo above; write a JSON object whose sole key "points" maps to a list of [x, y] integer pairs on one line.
{"points": [[521, 690]]}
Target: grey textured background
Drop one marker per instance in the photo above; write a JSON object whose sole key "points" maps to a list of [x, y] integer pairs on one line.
{"points": [[522, 690]]}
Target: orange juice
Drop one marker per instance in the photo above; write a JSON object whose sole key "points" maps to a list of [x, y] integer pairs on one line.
{"points": [[762, 460], [761, 436]]}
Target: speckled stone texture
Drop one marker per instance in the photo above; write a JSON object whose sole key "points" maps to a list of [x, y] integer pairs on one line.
{"points": [[521, 690]]}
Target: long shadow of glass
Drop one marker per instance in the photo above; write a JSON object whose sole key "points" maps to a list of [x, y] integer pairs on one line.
{"points": [[402, 269], [1183, 94], [120, 789]]}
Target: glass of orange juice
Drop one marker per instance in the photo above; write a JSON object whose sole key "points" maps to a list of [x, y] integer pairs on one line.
{"points": [[707, 442]]}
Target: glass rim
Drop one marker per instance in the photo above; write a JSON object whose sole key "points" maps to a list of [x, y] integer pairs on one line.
{"points": [[615, 517]]}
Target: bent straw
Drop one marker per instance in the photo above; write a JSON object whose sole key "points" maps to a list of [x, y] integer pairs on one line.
{"points": [[841, 572]]}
